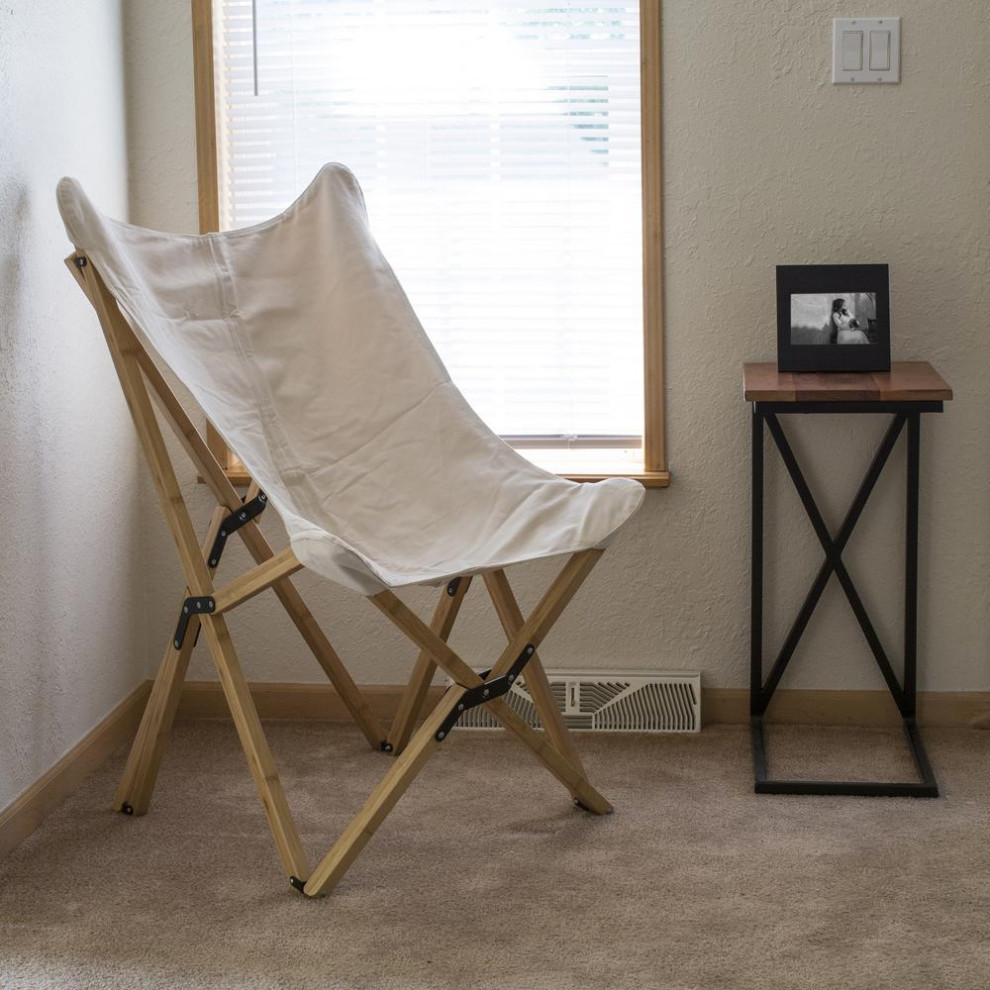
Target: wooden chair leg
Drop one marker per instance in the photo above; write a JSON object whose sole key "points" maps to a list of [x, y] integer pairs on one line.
{"points": [[537, 682], [383, 798], [422, 675], [133, 796], [424, 743], [531, 632], [574, 779], [412, 760], [141, 771], [255, 747]]}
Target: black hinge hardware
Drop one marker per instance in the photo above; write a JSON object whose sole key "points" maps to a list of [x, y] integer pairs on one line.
{"points": [[233, 522], [452, 586], [486, 692], [80, 262], [190, 607], [296, 884]]}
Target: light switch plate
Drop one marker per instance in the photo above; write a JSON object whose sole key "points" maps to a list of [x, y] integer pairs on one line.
{"points": [[866, 50]]}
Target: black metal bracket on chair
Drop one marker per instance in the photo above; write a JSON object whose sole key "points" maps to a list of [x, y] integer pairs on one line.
{"points": [[452, 586], [233, 522], [190, 607], [486, 692]]}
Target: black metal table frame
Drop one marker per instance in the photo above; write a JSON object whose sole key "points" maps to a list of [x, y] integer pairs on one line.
{"points": [[905, 695]]}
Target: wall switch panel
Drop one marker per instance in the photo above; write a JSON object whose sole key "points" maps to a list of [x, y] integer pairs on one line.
{"points": [[866, 50]]}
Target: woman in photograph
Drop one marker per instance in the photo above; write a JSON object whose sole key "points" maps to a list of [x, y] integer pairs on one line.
{"points": [[843, 326]]}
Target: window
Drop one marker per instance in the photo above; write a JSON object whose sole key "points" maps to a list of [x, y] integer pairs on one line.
{"points": [[511, 171]]}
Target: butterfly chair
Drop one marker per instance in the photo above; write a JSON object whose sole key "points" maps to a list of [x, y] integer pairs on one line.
{"points": [[299, 344]]}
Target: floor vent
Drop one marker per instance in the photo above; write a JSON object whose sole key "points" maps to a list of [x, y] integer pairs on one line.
{"points": [[608, 702]]}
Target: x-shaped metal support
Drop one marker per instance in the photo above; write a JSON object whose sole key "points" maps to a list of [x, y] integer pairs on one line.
{"points": [[904, 693]]}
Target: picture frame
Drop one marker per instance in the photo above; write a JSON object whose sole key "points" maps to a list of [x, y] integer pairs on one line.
{"points": [[833, 318]]}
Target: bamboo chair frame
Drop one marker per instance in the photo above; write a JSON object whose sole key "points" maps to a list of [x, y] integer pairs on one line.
{"points": [[142, 383]]}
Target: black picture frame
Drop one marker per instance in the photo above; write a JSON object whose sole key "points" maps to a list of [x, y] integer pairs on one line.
{"points": [[835, 280]]}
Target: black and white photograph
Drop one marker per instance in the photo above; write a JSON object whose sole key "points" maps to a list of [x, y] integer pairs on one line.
{"points": [[833, 318], [825, 318]]}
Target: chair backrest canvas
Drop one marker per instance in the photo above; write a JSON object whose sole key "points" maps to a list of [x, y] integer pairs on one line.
{"points": [[299, 344]]}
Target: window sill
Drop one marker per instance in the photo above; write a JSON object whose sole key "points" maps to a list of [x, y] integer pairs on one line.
{"points": [[596, 464], [648, 479]]}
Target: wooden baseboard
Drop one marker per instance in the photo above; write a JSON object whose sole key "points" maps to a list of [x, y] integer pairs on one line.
{"points": [[26, 812], [962, 709], [204, 699]]}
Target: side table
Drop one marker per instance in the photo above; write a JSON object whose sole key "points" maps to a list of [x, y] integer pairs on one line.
{"points": [[909, 389]]}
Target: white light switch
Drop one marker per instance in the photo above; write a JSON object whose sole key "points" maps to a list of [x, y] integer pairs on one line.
{"points": [[879, 51], [866, 50], [852, 51]]}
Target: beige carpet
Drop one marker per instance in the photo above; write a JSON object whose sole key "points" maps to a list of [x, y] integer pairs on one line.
{"points": [[485, 876]]}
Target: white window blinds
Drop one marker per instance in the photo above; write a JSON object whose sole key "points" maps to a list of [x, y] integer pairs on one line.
{"points": [[498, 145]]}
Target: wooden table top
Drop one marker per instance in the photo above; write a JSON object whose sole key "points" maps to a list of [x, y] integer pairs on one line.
{"points": [[907, 381]]}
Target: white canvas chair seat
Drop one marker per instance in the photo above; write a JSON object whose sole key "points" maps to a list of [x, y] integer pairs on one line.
{"points": [[301, 347], [298, 343]]}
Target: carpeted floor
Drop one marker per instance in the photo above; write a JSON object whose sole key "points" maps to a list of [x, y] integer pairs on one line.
{"points": [[485, 876]]}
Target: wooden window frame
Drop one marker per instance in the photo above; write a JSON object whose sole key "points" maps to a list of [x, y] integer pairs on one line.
{"points": [[655, 473]]}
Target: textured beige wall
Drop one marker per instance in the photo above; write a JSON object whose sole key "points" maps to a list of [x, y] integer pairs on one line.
{"points": [[71, 638], [765, 162]]}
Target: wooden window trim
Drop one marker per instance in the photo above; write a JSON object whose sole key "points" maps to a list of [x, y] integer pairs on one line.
{"points": [[655, 473]]}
